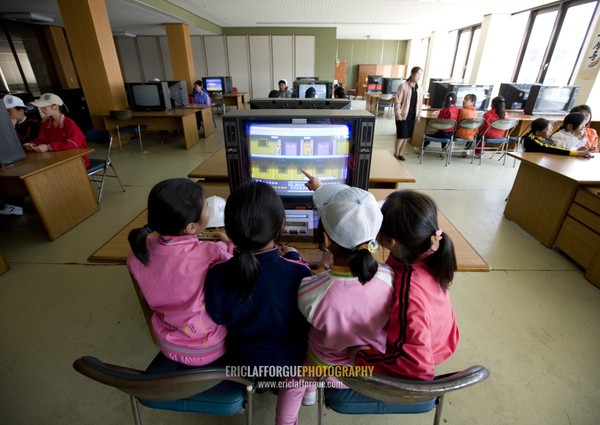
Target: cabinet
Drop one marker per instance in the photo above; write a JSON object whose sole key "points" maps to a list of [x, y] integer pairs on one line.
{"points": [[579, 235], [388, 71]]}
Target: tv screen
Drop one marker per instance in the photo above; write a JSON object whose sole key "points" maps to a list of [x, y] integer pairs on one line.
{"points": [[279, 152], [483, 93], [213, 84], [146, 95], [550, 100], [515, 95], [374, 83], [151, 96], [322, 89]]}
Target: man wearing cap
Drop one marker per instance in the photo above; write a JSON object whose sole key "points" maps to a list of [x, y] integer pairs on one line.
{"points": [[58, 132], [284, 91], [27, 128]]}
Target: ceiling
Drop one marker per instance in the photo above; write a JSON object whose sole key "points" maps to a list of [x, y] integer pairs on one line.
{"points": [[353, 19]]}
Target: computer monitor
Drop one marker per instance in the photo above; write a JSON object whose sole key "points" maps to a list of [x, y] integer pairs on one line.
{"points": [[323, 89], [178, 93], [515, 95], [374, 83], [390, 85], [150, 96], [217, 84], [482, 91], [437, 94], [550, 100]]}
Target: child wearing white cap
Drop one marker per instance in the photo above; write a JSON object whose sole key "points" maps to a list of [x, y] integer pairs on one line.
{"points": [[27, 128], [58, 132], [284, 91], [349, 305]]}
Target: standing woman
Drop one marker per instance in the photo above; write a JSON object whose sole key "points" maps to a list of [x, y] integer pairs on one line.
{"points": [[409, 99]]}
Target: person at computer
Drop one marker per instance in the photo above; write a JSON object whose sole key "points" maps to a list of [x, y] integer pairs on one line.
{"points": [[58, 132], [467, 111], [497, 112], [591, 136], [201, 96], [284, 91], [310, 93], [26, 126], [449, 111], [537, 140], [407, 108]]}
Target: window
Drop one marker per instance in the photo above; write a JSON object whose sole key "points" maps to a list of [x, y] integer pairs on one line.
{"points": [[553, 42], [465, 53]]}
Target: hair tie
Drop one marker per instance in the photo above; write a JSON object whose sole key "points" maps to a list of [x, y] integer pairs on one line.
{"points": [[370, 246], [147, 228], [438, 235]]}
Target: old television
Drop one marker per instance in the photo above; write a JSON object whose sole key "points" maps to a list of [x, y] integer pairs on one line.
{"points": [[273, 146], [550, 100], [150, 96], [390, 85], [515, 95], [178, 93], [323, 89], [482, 91], [292, 103], [217, 84], [439, 80], [437, 93], [374, 83]]}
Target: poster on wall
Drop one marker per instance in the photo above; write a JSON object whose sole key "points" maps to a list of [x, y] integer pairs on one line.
{"points": [[591, 62]]}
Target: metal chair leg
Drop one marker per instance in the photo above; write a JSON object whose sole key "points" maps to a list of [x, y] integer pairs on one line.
{"points": [[438, 410], [136, 411]]}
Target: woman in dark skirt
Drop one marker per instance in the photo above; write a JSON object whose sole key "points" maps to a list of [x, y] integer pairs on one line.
{"points": [[409, 100]]}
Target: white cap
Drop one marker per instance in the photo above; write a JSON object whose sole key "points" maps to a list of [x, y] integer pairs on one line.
{"points": [[216, 211], [48, 99], [350, 216], [11, 101]]}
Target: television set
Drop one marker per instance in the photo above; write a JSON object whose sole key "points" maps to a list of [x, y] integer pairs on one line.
{"points": [[390, 85], [150, 96], [11, 149], [515, 95], [374, 83], [283, 103], [550, 100], [323, 89], [482, 91], [178, 93], [274, 146], [437, 94], [217, 84], [439, 80]]}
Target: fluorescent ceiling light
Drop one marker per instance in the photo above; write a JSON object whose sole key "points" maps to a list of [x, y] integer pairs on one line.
{"points": [[28, 16], [124, 34]]}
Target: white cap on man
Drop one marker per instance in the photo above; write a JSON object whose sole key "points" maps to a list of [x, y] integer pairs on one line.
{"points": [[11, 101], [47, 99], [350, 216]]}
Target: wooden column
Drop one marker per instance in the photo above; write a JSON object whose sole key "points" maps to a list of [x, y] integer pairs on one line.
{"points": [[59, 49], [90, 37], [180, 49]]}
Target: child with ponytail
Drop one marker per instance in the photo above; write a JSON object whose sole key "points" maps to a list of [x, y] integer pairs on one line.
{"points": [[170, 270]]}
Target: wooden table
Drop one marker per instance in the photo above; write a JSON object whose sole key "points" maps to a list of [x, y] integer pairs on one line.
{"points": [[208, 122], [544, 189], [58, 185], [371, 100], [175, 119], [240, 99], [386, 171]]}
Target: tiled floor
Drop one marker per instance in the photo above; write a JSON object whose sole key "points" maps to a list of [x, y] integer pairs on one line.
{"points": [[533, 321]]}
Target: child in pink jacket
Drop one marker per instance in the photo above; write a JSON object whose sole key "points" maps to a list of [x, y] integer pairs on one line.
{"points": [[350, 304], [170, 270]]}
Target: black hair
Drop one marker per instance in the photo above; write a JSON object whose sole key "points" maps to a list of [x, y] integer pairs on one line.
{"points": [[498, 106], [574, 118], [339, 93], [254, 215], [274, 93], [198, 82], [538, 124], [449, 100], [172, 205], [410, 218], [282, 82], [415, 69], [582, 108], [310, 93], [362, 264], [472, 96]]}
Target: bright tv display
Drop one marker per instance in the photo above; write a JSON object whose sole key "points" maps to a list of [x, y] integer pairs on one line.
{"points": [[217, 84], [374, 83], [273, 146], [515, 95], [550, 100], [323, 89], [150, 96]]}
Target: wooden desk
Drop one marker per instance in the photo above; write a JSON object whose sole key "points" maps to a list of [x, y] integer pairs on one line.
{"points": [[175, 119], [371, 100], [240, 100], [58, 185], [386, 171], [544, 189], [208, 122]]}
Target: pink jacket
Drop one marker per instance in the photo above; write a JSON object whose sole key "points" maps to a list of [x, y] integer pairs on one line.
{"points": [[402, 101], [344, 313], [173, 285]]}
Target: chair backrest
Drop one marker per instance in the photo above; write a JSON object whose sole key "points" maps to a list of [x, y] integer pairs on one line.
{"points": [[504, 124], [123, 114], [386, 97], [405, 391], [441, 124], [99, 136], [155, 387], [471, 123]]}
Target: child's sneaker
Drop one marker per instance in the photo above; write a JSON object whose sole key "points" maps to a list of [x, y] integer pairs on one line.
{"points": [[11, 210], [310, 396]]}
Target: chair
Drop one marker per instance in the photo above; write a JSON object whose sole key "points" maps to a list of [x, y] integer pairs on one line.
{"points": [[468, 123], [386, 102], [430, 136], [218, 101], [123, 115], [103, 137], [498, 145], [379, 394], [168, 385]]}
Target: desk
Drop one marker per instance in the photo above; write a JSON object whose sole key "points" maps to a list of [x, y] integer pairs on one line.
{"points": [[371, 100], [239, 100], [175, 119], [208, 123], [544, 189], [386, 171], [58, 185]]}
